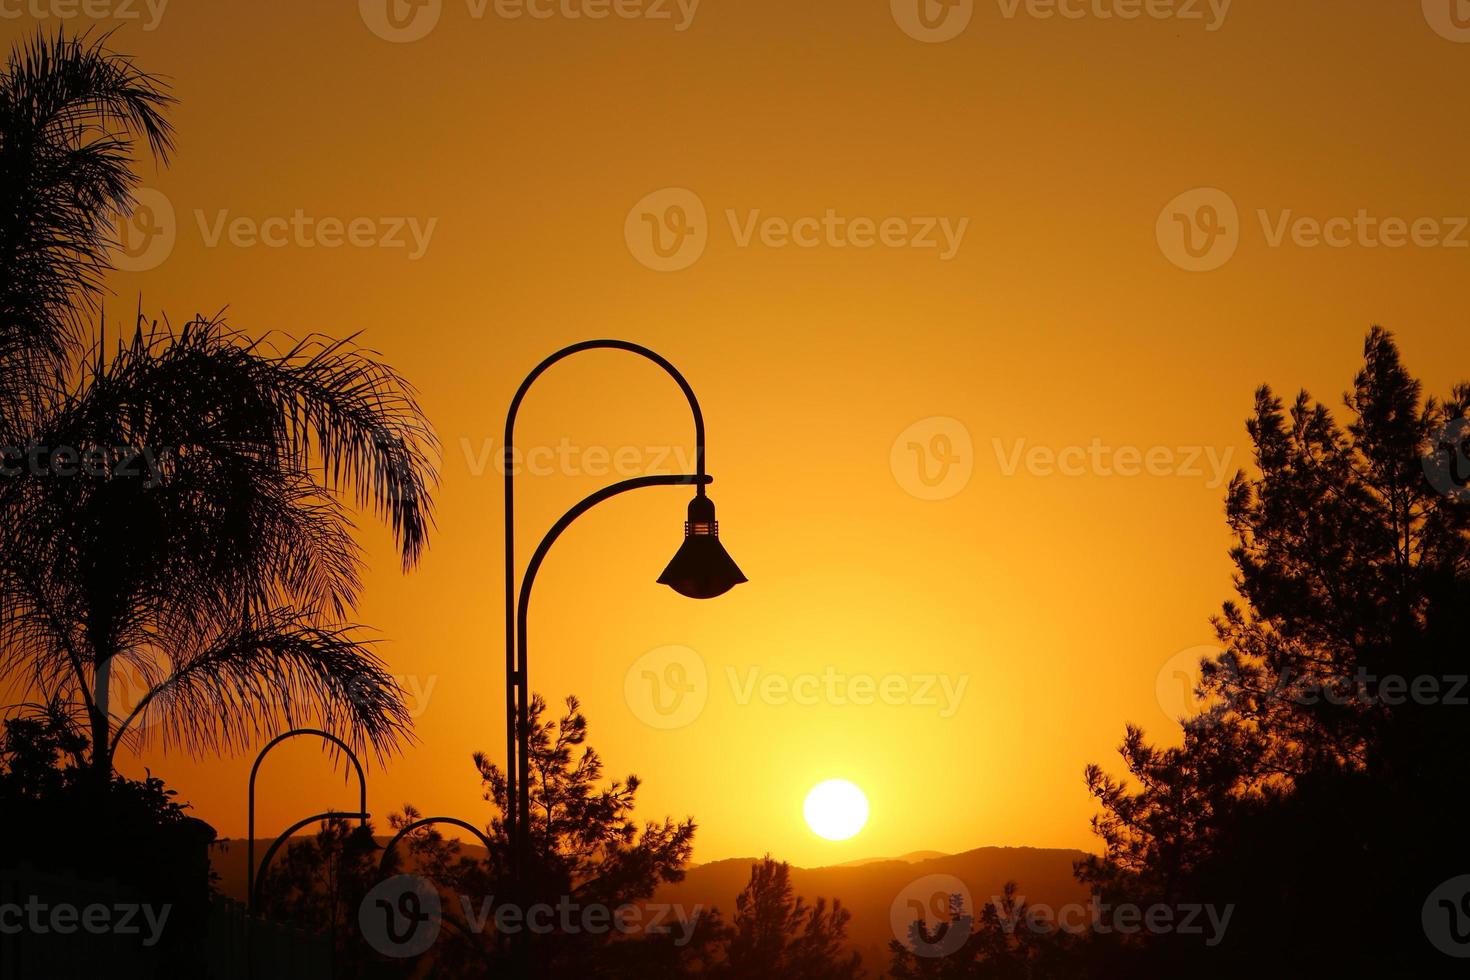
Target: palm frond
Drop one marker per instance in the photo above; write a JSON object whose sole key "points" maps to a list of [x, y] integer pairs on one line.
{"points": [[231, 687], [232, 507], [71, 114]]}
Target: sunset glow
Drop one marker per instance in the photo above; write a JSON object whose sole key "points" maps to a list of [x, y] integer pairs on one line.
{"points": [[1082, 384], [894, 438]]}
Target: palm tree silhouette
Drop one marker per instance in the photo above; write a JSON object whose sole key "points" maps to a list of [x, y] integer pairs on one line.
{"points": [[175, 557], [187, 535]]}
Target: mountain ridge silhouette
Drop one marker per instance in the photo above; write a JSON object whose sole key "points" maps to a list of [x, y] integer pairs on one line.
{"points": [[867, 887]]}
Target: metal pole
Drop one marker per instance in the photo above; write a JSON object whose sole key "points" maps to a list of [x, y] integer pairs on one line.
{"points": [[517, 687]]}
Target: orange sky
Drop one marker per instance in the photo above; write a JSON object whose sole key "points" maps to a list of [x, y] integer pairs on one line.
{"points": [[1048, 595]]}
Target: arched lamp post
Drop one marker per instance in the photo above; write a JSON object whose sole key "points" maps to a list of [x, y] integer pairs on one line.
{"points": [[700, 569], [255, 877], [361, 815], [426, 822]]}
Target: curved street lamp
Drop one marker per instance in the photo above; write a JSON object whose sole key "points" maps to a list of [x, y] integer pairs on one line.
{"points": [[250, 903], [700, 569], [255, 877], [426, 822], [270, 852]]}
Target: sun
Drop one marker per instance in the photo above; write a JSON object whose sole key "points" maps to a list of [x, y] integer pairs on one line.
{"points": [[836, 809]]}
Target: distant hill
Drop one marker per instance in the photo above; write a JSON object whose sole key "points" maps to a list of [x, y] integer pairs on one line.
{"points": [[910, 858], [866, 887], [227, 859]]}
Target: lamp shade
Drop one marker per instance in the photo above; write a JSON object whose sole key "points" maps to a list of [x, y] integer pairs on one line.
{"points": [[701, 568]]}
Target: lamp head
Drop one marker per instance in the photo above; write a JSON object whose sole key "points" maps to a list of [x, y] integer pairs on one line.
{"points": [[702, 569]]}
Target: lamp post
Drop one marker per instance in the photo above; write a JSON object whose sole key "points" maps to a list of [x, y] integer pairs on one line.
{"points": [[360, 816], [250, 871], [428, 822], [701, 569], [255, 878]]}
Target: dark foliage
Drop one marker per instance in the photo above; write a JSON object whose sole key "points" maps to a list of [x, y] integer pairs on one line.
{"points": [[1314, 793], [775, 933], [130, 835]]}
